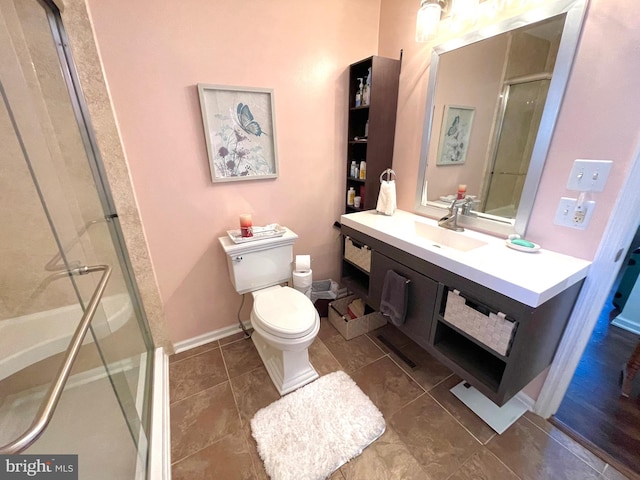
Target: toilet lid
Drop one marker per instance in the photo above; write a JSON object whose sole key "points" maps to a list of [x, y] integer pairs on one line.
{"points": [[285, 312]]}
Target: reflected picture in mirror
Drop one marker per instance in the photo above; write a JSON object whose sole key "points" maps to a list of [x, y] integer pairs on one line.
{"points": [[512, 84]]}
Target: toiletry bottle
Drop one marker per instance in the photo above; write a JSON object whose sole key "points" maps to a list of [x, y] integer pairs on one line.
{"points": [[359, 93], [367, 96], [352, 172], [351, 196], [366, 129], [363, 170]]}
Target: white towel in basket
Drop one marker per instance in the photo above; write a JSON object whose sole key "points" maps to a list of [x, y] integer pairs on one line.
{"points": [[387, 197]]}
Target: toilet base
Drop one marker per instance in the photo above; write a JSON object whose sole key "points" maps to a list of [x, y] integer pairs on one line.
{"points": [[288, 369]]}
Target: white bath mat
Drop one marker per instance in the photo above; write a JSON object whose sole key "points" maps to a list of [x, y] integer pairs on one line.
{"points": [[310, 433]]}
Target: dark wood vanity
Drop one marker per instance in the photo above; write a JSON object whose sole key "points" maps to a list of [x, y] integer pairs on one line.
{"points": [[536, 330]]}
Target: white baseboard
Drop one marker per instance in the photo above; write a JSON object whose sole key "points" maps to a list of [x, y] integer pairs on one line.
{"points": [[160, 441], [209, 337]]}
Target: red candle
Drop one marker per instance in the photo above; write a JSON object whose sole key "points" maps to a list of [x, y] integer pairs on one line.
{"points": [[462, 191], [246, 225]]}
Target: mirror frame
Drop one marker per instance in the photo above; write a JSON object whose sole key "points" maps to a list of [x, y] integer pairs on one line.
{"points": [[575, 11]]}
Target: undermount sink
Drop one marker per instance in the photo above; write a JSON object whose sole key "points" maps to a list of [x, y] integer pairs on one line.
{"points": [[441, 237]]}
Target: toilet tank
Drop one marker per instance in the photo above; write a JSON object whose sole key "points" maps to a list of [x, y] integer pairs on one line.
{"points": [[261, 263]]}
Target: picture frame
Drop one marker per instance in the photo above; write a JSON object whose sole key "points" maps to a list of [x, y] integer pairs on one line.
{"points": [[240, 131], [454, 135]]}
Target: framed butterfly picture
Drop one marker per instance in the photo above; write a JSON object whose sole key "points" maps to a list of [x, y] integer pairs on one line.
{"points": [[454, 135], [240, 130]]}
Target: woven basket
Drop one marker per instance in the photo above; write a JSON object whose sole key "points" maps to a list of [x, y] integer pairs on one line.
{"points": [[358, 255], [495, 331], [353, 327]]}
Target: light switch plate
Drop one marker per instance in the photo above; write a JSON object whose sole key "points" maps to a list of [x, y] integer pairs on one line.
{"points": [[589, 175], [568, 215]]}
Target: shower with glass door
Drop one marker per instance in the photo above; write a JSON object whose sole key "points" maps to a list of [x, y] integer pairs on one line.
{"points": [[75, 350]]}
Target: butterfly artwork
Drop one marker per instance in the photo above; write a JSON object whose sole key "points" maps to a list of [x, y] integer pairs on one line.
{"points": [[247, 122]]}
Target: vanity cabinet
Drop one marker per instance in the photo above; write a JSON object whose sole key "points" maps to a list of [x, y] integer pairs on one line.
{"points": [[535, 331], [423, 292], [371, 127]]}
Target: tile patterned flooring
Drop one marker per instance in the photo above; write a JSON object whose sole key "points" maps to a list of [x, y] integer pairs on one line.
{"points": [[216, 389]]}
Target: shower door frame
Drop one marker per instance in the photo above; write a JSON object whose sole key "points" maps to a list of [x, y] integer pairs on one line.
{"points": [[94, 159]]}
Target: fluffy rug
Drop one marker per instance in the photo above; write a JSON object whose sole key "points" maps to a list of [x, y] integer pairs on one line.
{"points": [[310, 433]]}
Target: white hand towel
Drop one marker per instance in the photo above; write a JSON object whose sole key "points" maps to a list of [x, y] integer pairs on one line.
{"points": [[387, 197]]}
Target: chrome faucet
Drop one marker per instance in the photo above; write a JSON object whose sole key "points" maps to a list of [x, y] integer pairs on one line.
{"points": [[450, 220]]}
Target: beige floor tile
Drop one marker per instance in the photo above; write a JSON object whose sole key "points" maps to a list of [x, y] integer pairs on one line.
{"points": [[460, 411], [428, 371], [585, 455], [434, 438], [385, 459], [240, 357], [483, 465], [322, 359], [253, 390], [534, 455], [196, 373], [194, 351], [258, 465], [226, 459], [202, 419], [388, 387], [326, 329], [337, 475], [355, 353]]}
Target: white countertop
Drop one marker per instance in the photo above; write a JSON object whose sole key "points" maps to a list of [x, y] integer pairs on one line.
{"points": [[528, 277]]}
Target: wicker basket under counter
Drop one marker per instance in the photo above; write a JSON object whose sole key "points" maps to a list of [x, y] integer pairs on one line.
{"points": [[358, 254], [494, 330]]}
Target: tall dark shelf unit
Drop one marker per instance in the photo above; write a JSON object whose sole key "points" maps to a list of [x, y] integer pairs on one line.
{"points": [[377, 149]]}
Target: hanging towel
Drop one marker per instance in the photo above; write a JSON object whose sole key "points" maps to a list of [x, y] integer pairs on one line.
{"points": [[395, 296], [387, 197]]}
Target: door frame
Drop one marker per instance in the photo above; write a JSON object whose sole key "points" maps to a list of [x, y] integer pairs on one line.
{"points": [[615, 241]]}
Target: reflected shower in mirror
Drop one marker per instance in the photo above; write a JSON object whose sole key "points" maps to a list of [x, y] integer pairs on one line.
{"points": [[493, 102]]}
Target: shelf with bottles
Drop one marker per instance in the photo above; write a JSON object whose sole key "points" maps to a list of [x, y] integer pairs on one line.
{"points": [[373, 92]]}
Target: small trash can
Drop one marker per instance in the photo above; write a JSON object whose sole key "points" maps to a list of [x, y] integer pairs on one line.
{"points": [[324, 292]]}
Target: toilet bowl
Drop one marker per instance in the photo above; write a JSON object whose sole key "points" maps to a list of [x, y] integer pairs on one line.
{"points": [[284, 320], [285, 324]]}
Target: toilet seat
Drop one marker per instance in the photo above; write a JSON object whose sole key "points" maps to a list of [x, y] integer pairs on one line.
{"points": [[284, 312]]}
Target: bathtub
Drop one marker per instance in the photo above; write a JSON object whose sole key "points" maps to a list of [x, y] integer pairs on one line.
{"points": [[30, 338]]}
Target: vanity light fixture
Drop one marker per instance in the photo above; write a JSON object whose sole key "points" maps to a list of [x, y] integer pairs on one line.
{"points": [[428, 19], [463, 14]]}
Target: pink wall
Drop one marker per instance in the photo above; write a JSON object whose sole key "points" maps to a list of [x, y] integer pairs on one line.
{"points": [[595, 120], [154, 54]]}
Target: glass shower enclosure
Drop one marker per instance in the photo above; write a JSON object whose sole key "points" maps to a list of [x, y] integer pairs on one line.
{"points": [[75, 350]]}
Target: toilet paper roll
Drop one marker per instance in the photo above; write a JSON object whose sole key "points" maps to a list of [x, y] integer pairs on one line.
{"points": [[302, 282], [303, 263]]}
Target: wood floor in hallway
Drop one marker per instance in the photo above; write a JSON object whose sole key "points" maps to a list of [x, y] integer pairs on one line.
{"points": [[593, 407]]}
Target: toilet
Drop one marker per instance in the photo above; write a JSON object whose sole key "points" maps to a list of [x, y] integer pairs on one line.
{"points": [[284, 320]]}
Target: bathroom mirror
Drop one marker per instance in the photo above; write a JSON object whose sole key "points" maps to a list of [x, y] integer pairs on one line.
{"points": [[492, 103]]}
